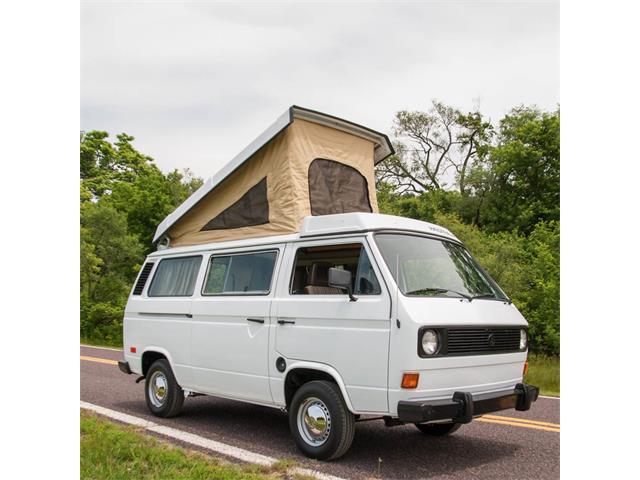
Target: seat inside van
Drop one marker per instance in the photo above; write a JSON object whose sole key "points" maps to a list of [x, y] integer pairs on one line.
{"points": [[311, 273], [318, 280]]}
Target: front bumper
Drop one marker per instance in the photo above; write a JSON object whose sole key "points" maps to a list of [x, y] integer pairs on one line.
{"points": [[463, 406]]}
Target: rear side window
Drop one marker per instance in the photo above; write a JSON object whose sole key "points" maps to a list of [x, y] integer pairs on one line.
{"points": [[175, 277], [242, 274]]}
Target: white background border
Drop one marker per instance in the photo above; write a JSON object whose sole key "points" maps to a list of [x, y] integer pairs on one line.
{"points": [[39, 237]]}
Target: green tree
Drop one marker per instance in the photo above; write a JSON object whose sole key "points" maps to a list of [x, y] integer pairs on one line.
{"points": [[524, 177], [148, 199], [434, 148], [105, 229], [103, 164], [123, 197]]}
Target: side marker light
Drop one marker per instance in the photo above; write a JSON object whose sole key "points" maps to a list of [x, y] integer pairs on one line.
{"points": [[410, 380]]}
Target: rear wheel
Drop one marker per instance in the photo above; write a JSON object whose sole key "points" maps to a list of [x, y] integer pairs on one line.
{"points": [[438, 429], [163, 394], [321, 424]]}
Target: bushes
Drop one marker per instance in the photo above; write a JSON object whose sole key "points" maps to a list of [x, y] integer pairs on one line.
{"points": [[541, 299], [101, 323]]}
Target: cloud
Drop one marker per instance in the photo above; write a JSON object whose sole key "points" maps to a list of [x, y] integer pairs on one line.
{"points": [[195, 82]]}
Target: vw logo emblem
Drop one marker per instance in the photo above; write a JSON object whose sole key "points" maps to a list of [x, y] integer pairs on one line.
{"points": [[492, 340]]}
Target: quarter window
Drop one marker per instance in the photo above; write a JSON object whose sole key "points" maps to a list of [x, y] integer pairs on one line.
{"points": [[311, 270], [175, 277], [248, 274]]}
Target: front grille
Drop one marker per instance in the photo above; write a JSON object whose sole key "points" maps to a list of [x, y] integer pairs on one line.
{"points": [[469, 341]]}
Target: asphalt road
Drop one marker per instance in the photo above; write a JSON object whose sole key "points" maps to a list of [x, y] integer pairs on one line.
{"points": [[509, 444]]}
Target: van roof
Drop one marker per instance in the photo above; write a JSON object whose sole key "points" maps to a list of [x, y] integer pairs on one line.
{"points": [[325, 225]]}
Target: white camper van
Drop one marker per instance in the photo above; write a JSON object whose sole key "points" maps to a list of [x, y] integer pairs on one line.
{"points": [[351, 313]]}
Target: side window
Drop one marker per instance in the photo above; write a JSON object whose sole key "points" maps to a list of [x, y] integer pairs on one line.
{"points": [[311, 270], [175, 277], [248, 274]]}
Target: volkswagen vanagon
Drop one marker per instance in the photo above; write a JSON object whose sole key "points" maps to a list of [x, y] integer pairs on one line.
{"points": [[278, 283], [357, 314]]}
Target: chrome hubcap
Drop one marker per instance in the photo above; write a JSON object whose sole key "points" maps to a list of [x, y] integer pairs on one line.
{"points": [[314, 421], [158, 388]]}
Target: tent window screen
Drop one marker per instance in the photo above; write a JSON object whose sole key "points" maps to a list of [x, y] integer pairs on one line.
{"points": [[251, 209], [175, 277], [336, 188], [244, 274]]}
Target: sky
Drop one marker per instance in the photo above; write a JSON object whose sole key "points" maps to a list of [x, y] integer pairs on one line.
{"points": [[195, 82]]}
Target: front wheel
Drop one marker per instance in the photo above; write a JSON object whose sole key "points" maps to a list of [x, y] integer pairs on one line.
{"points": [[321, 424], [438, 429], [163, 394]]}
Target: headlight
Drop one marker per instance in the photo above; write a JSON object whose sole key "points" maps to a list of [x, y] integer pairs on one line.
{"points": [[429, 342], [523, 339]]}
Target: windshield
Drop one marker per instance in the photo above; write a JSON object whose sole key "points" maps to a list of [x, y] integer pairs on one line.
{"points": [[430, 267]]}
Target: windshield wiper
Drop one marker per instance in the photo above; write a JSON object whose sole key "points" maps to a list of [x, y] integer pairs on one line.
{"points": [[484, 295], [492, 295], [438, 290]]}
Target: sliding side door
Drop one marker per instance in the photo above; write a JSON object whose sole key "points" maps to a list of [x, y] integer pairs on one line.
{"points": [[230, 329]]}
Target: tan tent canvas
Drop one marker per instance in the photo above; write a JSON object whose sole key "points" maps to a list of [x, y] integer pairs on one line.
{"points": [[306, 163]]}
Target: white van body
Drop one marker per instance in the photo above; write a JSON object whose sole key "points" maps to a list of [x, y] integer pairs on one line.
{"points": [[246, 346]]}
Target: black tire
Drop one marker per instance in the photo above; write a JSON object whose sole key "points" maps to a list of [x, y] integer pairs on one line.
{"points": [[339, 429], [173, 396], [438, 429]]}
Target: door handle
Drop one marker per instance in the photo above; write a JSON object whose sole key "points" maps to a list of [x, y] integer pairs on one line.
{"points": [[282, 322], [255, 320]]}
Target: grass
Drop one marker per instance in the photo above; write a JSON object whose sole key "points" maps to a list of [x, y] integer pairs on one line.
{"points": [[109, 451], [544, 372]]}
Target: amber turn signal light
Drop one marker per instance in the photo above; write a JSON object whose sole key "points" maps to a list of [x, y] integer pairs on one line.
{"points": [[525, 370], [410, 380]]}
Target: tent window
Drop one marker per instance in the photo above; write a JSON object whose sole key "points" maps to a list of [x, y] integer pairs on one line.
{"points": [[336, 188], [251, 209]]}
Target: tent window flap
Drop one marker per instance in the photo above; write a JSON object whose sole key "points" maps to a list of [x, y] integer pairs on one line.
{"points": [[251, 209], [337, 188]]}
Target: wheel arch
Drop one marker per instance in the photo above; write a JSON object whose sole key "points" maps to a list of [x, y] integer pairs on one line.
{"points": [[150, 355], [300, 373]]}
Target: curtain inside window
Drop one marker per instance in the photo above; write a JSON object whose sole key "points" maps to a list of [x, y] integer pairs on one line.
{"points": [[175, 277]]}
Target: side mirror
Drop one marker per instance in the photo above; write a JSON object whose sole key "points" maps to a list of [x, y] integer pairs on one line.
{"points": [[341, 279]]}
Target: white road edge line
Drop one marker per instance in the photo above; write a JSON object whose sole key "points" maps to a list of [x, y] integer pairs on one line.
{"points": [[199, 441], [101, 348], [552, 398]]}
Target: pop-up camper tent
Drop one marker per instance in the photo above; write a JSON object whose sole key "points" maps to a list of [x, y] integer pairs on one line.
{"points": [[306, 163]]}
